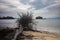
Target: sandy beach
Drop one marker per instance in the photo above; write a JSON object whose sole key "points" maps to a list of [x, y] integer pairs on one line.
{"points": [[33, 35]]}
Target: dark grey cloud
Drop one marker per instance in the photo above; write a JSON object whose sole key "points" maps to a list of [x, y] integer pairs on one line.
{"points": [[7, 4], [7, 12], [8, 8]]}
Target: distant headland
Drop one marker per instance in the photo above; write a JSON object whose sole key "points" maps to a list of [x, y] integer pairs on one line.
{"points": [[7, 17], [39, 17]]}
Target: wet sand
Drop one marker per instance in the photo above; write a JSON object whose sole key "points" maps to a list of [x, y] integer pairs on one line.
{"points": [[33, 35]]}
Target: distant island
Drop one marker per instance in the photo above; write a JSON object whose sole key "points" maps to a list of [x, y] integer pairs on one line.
{"points": [[39, 17], [8, 17]]}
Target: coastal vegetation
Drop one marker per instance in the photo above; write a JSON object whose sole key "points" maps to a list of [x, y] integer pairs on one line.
{"points": [[39, 17], [7, 17], [25, 20]]}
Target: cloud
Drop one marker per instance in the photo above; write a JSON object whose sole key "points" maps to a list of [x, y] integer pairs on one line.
{"points": [[11, 7], [38, 4], [26, 4], [55, 10], [14, 4], [43, 8], [50, 11]]}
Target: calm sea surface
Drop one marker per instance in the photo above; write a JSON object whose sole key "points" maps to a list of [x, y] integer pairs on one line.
{"points": [[50, 25], [11, 23]]}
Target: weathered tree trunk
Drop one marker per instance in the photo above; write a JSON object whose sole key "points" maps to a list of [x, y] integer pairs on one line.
{"points": [[18, 31]]}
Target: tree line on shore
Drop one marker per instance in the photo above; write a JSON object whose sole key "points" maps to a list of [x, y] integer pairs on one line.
{"points": [[39, 17], [7, 17]]}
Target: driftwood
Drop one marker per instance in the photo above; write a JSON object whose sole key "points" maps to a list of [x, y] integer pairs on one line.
{"points": [[18, 31]]}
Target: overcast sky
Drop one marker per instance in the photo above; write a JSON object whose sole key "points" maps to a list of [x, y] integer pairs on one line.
{"points": [[44, 8]]}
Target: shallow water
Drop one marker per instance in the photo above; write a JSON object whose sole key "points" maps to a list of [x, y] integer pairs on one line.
{"points": [[50, 25]]}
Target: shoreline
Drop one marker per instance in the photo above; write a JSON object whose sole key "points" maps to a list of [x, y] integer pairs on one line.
{"points": [[46, 32], [36, 35]]}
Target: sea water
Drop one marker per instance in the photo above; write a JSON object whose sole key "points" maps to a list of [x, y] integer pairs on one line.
{"points": [[10, 23], [50, 25]]}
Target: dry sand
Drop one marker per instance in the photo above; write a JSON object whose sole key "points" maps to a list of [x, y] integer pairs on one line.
{"points": [[31, 35]]}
